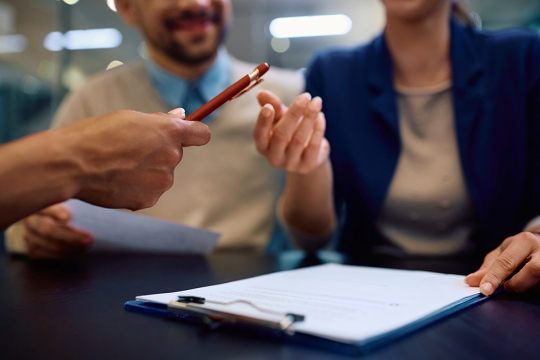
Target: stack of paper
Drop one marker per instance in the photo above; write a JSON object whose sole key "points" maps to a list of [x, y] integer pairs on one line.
{"points": [[347, 304]]}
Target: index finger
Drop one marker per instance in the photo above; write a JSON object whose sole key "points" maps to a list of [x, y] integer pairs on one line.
{"points": [[505, 265], [263, 128], [267, 97]]}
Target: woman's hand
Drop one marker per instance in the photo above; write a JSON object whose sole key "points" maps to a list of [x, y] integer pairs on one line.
{"points": [[292, 138], [518, 254]]}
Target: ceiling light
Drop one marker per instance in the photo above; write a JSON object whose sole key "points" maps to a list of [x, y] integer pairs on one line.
{"points": [[305, 26], [13, 44], [83, 39]]}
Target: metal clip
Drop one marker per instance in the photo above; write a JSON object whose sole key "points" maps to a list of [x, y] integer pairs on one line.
{"points": [[246, 90]]}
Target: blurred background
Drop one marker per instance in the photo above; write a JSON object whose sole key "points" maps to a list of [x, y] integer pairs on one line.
{"points": [[42, 55]]}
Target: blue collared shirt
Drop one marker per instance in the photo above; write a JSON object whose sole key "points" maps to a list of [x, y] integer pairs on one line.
{"points": [[176, 91]]}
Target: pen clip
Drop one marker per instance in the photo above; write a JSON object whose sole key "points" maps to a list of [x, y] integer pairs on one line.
{"points": [[257, 82]]}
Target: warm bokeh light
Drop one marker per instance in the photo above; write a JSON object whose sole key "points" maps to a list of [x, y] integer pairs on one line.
{"points": [[46, 69], [114, 64], [280, 45]]}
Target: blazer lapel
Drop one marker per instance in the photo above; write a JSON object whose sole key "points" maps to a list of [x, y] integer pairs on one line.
{"points": [[381, 86], [468, 95], [469, 108]]}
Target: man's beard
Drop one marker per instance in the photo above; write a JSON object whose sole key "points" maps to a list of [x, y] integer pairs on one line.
{"points": [[180, 52]]}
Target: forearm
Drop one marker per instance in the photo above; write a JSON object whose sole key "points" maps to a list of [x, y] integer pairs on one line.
{"points": [[307, 201], [35, 172]]}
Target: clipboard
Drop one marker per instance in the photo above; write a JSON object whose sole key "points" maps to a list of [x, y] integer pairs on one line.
{"points": [[183, 309]]}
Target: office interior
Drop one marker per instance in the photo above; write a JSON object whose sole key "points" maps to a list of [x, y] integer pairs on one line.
{"points": [[37, 71], [48, 47]]}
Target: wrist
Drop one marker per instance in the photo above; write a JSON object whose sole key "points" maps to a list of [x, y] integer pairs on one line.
{"points": [[67, 164]]}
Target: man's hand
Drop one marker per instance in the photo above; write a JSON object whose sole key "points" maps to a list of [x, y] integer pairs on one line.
{"points": [[518, 254], [292, 138], [127, 158], [48, 236]]}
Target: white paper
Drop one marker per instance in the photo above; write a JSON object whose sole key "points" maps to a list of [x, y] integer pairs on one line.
{"points": [[339, 302], [116, 230]]}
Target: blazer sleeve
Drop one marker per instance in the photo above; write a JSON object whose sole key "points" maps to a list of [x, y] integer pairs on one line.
{"points": [[315, 85], [531, 199]]}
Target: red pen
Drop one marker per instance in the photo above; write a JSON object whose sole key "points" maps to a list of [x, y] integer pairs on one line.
{"points": [[234, 91]]}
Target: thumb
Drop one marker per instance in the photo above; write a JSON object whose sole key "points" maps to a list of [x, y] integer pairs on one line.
{"points": [[193, 133]]}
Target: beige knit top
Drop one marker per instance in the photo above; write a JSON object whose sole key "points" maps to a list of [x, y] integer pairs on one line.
{"points": [[427, 210]]}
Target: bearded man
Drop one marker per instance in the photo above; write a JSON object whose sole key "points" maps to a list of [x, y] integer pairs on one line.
{"points": [[226, 186]]}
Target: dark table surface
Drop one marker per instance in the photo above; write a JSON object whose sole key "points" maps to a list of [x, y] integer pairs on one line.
{"points": [[75, 310]]}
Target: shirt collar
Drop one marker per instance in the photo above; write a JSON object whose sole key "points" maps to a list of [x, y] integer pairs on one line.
{"points": [[173, 88]]}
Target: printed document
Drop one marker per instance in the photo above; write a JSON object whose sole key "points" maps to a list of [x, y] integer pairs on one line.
{"points": [[340, 302], [116, 230]]}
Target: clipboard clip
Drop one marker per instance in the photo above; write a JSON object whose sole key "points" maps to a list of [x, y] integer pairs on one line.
{"points": [[254, 76], [214, 319]]}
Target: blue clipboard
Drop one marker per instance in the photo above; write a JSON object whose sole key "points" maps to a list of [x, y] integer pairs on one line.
{"points": [[275, 332]]}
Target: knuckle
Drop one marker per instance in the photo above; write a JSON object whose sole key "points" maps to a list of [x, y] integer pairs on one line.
{"points": [[507, 242], [168, 181], [27, 238], [280, 135], [46, 228], [532, 238], [512, 286], [138, 204], [506, 264], [534, 268], [313, 146], [176, 156], [298, 141]]}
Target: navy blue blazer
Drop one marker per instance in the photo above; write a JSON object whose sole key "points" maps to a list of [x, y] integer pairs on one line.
{"points": [[496, 94]]}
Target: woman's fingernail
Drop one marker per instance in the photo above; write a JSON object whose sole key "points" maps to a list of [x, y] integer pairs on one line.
{"points": [[266, 111], [486, 288], [319, 99], [308, 95]]}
